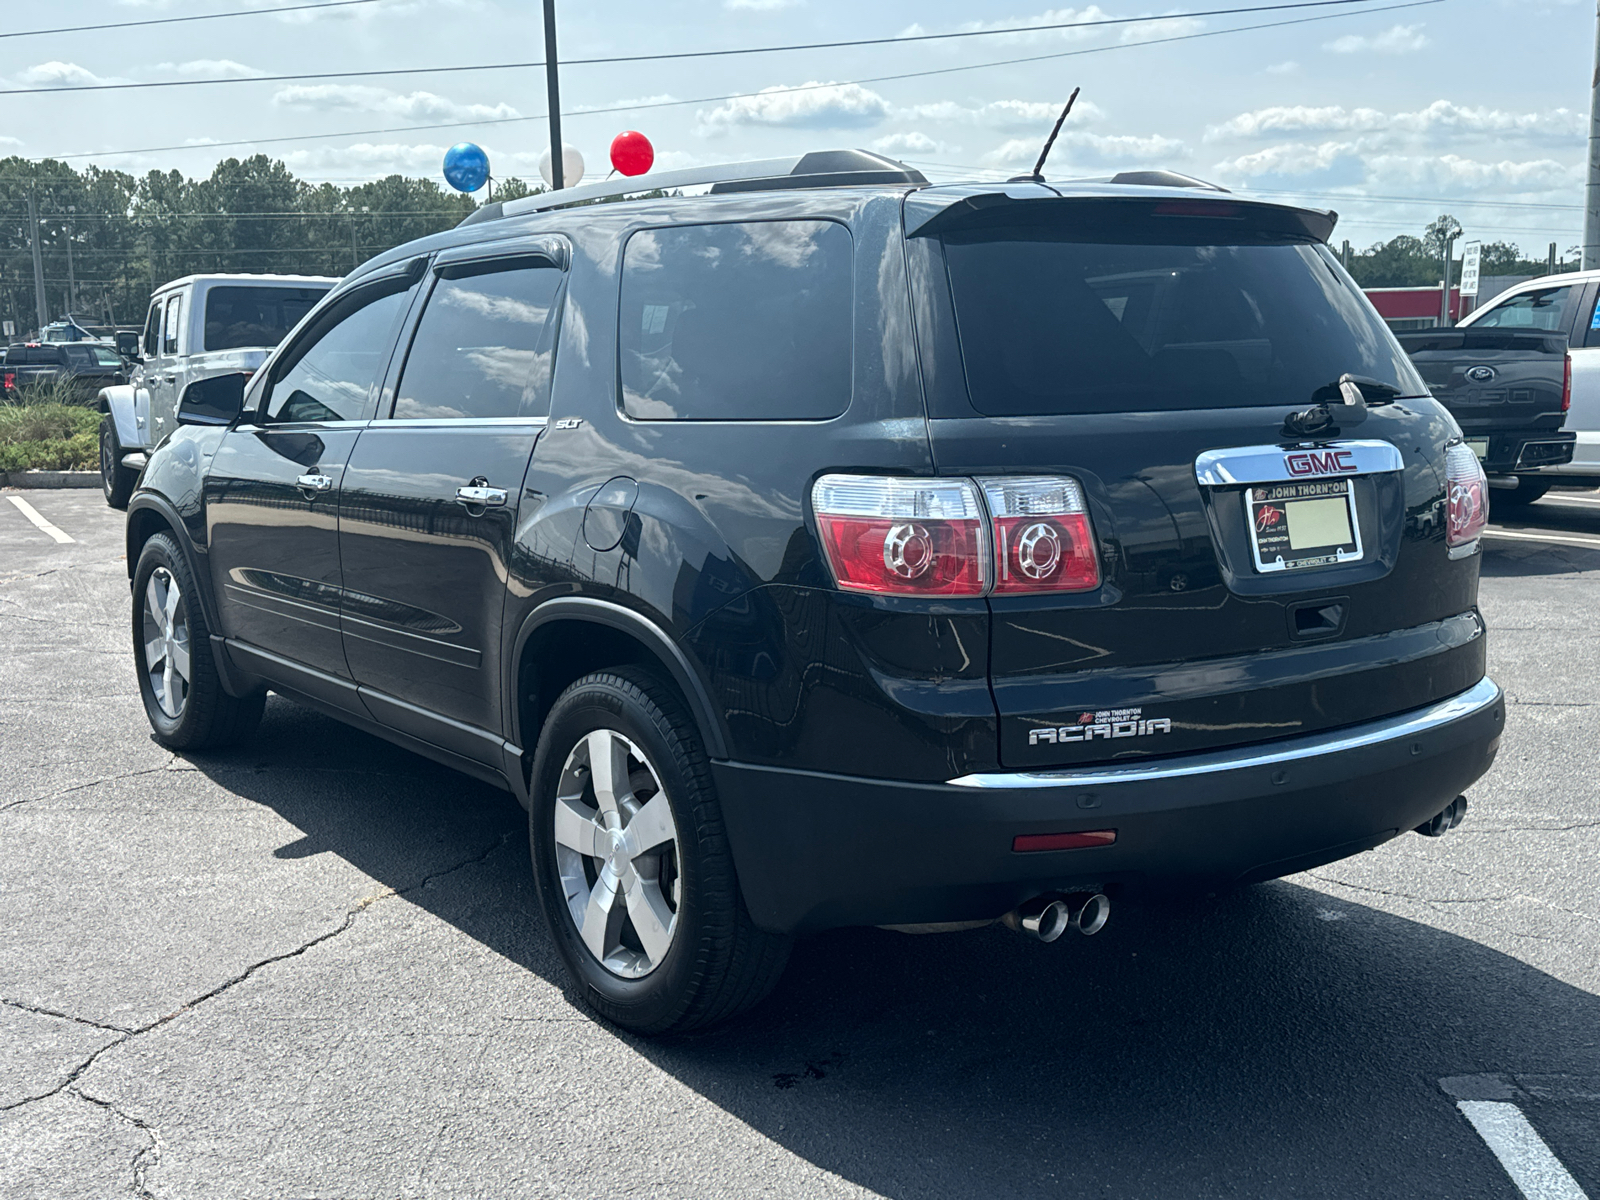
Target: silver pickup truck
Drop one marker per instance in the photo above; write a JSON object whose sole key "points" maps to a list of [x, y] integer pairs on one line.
{"points": [[199, 327]]}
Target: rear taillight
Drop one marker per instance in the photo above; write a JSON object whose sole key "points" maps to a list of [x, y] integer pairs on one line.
{"points": [[1469, 495], [937, 537], [1042, 541], [903, 537], [10, 380], [1566, 387]]}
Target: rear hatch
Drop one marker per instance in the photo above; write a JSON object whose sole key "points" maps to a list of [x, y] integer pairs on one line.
{"points": [[1253, 585]]}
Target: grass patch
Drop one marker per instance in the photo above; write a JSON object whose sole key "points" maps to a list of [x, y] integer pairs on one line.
{"points": [[49, 437]]}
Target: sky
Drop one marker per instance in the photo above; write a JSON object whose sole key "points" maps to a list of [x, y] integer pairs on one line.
{"points": [[1388, 114]]}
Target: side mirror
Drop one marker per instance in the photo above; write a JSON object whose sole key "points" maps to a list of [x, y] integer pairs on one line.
{"points": [[128, 345], [214, 401]]}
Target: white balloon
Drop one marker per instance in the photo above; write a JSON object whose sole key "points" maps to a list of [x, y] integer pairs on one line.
{"points": [[571, 167]]}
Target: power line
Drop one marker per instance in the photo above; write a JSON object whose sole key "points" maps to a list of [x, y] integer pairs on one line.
{"points": [[642, 58], [621, 108], [248, 12]]}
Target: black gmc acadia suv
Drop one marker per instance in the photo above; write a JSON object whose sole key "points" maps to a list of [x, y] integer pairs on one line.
{"points": [[834, 549]]}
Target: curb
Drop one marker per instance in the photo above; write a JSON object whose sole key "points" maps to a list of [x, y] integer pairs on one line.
{"points": [[50, 479]]}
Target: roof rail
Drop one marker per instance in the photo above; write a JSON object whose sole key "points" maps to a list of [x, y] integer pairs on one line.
{"points": [[819, 169]]}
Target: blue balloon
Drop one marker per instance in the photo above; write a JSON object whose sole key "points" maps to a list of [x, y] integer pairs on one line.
{"points": [[466, 167]]}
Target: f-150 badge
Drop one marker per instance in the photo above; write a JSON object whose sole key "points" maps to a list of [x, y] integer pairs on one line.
{"points": [[1108, 723]]}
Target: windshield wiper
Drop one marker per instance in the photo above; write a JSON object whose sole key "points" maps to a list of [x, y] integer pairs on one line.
{"points": [[1340, 403]]}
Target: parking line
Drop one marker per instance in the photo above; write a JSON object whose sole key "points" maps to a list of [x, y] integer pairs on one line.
{"points": [[32, 514], [1518, 535], [1537, 1172]]}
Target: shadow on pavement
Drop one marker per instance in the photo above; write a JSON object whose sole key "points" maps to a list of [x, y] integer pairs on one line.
{"points": [[1271, 1043]]}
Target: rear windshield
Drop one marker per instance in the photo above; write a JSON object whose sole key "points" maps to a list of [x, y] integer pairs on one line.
{"points": [[1156, 314], [255, 316]]}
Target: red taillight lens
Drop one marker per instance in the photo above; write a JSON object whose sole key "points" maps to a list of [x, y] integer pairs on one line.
{"points": [[1566, 387], [1042, 540], [903, 537], [1027, 843], [10, 380], [1469, 495]]}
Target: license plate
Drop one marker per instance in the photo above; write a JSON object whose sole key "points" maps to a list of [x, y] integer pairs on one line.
{"points": [[1479, 446], [1298, 525]]}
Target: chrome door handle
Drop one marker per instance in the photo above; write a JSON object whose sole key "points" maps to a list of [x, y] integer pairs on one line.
{"points": [[487, 497], [169, 378], [314, 483]]}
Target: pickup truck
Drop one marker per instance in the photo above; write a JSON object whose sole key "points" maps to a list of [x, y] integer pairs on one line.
{"points": [[86, 366], [1509, 390], [199, 327]]}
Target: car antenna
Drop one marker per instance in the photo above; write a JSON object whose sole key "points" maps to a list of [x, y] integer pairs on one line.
{"points": [[1037, 175]]}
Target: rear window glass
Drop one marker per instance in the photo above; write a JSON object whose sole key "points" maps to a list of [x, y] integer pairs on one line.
{"points": [[255, 316], [1158, 314], [1544, 310], [743, 321]]}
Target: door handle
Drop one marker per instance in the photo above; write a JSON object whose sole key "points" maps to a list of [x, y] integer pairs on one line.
{"points": [[169, 379], [314, 483], [487, 497]]}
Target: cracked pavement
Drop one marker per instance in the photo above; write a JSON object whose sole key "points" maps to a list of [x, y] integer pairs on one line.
{"points": [[311, 967]]}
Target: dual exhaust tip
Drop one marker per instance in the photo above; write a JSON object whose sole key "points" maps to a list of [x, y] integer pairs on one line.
{"points": [[1443, 822], [1048, 919]]}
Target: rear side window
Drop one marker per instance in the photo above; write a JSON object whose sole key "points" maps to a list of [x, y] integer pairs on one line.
{"points": [[255, 316], [746, 321], [1127, 313], [169, 336], [484, 347], [1545, 309]]}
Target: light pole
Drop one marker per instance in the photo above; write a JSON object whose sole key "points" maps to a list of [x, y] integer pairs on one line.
{"points": [[1448, 237], [72, 278], [553, 89], [1591, 205]]}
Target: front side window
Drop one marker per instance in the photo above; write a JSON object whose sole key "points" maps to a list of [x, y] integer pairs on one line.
{"points": [[1545, 309], [152, 331], [484, 347], [83, 354], [333, 372], [249, 317], [746, 321], [169, 337]]}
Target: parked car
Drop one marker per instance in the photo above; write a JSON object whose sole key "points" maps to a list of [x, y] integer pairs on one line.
{"points": [[1509, 390], [836, 549], [1560, 304], [198, 327], [85, 366]]}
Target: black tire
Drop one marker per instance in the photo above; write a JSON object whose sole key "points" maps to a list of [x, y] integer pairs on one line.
{"points": [[116, 480], [1529, 488], [197, 714], [717, 963]]}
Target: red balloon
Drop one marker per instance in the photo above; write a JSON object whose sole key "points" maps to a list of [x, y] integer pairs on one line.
{"points": [[632, 153]]}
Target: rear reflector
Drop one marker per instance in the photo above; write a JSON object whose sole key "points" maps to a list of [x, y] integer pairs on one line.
{"points": [[1566, 387], [1468, 495], [1042, 541], [903, 537], [1025, 843]]}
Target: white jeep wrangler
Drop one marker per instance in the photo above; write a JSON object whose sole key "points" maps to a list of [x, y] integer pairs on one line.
{"points": [[199, 327]]}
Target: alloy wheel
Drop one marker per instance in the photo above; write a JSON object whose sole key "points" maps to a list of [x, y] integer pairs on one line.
{"points": [[166, 642], [617, 854]]}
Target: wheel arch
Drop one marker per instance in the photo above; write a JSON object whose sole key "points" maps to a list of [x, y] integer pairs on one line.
{"points": [[150, 514], [118, 403], [567, 638]]}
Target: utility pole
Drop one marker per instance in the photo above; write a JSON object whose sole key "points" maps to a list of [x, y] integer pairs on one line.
{"points": [[355, 258], [1591, 215], [40, 305], [72, 278], [553, 86], [1444, 291]]}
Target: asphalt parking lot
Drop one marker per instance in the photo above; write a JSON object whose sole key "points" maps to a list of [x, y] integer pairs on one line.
{"points": [[311, 967]]}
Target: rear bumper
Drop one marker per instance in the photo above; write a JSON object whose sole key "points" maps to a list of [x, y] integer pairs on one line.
{"points": [[1508, 453], [815, 851]]}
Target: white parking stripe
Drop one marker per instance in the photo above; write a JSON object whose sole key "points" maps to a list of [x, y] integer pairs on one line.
{"points": [[1557, 538], [1537, 1173], [32, 514]]}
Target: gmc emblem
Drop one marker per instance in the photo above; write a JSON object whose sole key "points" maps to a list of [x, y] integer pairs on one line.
{"points": [[1320, 462]]}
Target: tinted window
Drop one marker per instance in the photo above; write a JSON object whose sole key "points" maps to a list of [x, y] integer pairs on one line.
{"points": [[737, 322], [1545, 309], [152, 330], [255, 316], [1150, 313], [483, 347], [331, 374], [81, 354], [169, 337]]}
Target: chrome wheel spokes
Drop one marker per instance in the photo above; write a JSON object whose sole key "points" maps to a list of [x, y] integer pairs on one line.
{"points": [[166, 642], [617, 853]]}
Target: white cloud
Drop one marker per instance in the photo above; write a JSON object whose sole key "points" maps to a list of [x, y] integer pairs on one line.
{"points": [[412, 106], [1353, 164], [1087, 149], [912, 143], [1168, 27], [1071, 18], [59, 74], [10, 141], [818, 106], [1006, 115], [761, 5], [209, 68], [1284, 68], [1439, 119], [1398, 39]]}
